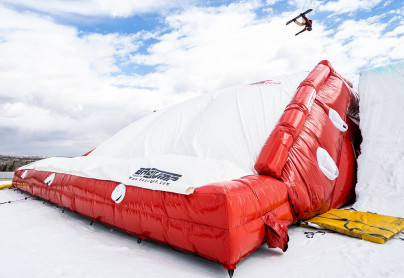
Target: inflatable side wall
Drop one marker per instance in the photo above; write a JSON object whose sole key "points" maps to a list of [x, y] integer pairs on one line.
{"points": [[310, 148], [306, 166], [223, 222]]}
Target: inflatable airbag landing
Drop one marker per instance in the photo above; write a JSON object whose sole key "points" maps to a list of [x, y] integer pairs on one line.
{"points": [[185, 175]]}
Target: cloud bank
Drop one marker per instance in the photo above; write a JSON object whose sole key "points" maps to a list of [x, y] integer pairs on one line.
{"points": [[63, 91]]}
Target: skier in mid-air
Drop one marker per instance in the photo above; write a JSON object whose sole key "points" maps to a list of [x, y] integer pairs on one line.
{"points": [[306, 22]]}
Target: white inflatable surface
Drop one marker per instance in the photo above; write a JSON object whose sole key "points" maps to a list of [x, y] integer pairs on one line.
{"points": [[380, 187], [211, 138]]}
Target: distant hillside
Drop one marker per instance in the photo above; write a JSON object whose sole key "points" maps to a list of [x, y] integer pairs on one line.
{"points": [[8, 163]]}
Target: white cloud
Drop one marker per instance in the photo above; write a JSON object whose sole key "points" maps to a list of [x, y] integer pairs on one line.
{"points": [[121, 8], [218, 47], [54, 80], [62, 91], [347, 6], [272, 2], [305, 4], [387, 3]]}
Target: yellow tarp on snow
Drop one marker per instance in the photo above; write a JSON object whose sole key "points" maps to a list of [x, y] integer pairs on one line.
{"points": [[5, 186], [369, 226]]}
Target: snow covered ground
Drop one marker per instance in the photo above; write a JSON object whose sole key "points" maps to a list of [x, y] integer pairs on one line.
{"points": [[38, 240], [380, 185], [6, 176]]}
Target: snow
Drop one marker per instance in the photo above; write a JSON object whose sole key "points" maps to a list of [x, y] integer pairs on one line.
{"points": [[38, 240], [380, 187]]}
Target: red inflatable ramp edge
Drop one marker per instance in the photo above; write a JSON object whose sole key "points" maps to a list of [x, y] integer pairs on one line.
{"points": [[274, 153]]}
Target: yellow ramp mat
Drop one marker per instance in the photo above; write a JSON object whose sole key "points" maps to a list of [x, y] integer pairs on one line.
{"points": [[369, 226], [5, 186]]}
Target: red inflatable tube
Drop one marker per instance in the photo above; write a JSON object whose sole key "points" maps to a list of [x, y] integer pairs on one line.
{"points": [[223, 222], [344, 189], [274, 153]]}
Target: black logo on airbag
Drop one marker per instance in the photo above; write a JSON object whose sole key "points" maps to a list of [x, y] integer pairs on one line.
{"points": [[153, 175]]}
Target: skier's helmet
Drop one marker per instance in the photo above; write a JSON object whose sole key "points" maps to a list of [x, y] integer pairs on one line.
{"points": [[309, 29]]}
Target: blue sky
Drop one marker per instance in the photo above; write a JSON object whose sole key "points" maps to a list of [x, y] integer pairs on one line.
{"points": [[72, 73]]}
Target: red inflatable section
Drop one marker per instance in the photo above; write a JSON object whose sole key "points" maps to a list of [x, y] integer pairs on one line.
{"points": [[275, 152], [222, 222], [226, 221], [291, 151], [344, 189]]}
